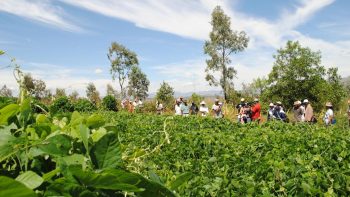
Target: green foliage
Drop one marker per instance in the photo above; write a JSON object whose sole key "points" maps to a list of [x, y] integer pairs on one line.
{"points": [[228, 159], [122, 60], [5, 101], [196, 98], [52, 156], [297, 74], [61, 105], [223, 42], [138, 83], [84, 105], [165, 94], [109, 103]]}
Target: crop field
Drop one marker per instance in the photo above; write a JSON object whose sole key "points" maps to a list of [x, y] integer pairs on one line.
{"points": [[122, 154]]}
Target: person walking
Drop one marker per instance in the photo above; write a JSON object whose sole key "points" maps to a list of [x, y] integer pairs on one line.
{"points": [[217, 109], [185, 108], [160, 108], [194, 108], [279, 113], [298, 112], [329, 115], [178, 108], [256, 110], [203, 109], [309, 112], [271, 112]]}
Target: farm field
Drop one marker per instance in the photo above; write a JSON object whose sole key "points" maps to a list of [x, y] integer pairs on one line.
{"points": [[76, 154]]}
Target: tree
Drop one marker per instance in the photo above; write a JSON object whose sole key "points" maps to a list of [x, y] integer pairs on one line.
{"points": [[60, 92], [111, 91], [122, 59], [297, 74], [92, 93], [5, 91], [165, 93], [74, 96], [223, 43], [29, 82], [39, 89], [138, 83]]}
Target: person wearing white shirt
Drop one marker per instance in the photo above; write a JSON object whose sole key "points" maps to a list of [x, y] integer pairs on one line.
{"points": [[329, 115], [203, 109], [178, 108]]}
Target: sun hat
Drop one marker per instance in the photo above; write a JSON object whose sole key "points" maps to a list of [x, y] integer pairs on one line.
{"points": [[256, 100], [271, 105], [242, 99], [296, 103], [329, 104], [299, 102], [306, 101], [203, 103], [216, 100]]}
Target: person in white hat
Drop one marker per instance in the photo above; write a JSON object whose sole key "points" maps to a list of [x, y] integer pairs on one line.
{"points": [[178, 107], [203, 109], [309, 112], [256, 109], [270, 113], [298, 111], [329, 115], [217, 109]]}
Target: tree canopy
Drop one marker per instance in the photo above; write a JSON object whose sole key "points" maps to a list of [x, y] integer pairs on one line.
{"points": [[222, 44], [297, 74], [165, 93], [122, 60], [138, 83]]}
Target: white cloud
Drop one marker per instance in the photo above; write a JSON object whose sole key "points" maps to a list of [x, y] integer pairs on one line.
{"points": [[42, 11], [98, 70]]}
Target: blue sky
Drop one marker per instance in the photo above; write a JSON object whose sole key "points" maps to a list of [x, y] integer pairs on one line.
{"points": [[65, 42]]}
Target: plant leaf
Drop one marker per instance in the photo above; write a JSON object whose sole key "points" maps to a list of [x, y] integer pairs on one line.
{"points": [[30, 179], [8, 111], [106, 152], [84, 134], [10, 187], [181, 179]]}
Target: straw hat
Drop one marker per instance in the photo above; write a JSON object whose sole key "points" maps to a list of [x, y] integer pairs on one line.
{"points": [[242, 99], [296, 103], [329, 104], [203, 103], [271, 105], [256, 100], [306, 101]]}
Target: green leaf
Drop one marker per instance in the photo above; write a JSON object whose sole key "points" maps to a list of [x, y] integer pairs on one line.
{"points": [[95, 121], [41, 118], [106, 152], [49, 175], [98, 134], [30, 179], [2, 52], [154, 177], [75, 159], [58, 145], [181, 179], [8, 111], [76, 119], [84, 134], [306, 187], [10, 187], [7, 142], [102, 181]]}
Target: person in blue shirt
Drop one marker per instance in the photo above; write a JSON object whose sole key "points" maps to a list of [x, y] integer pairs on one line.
{"points": [[185, 108]]}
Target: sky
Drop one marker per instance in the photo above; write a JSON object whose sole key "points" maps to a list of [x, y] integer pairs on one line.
{"points": [[65, 42]]}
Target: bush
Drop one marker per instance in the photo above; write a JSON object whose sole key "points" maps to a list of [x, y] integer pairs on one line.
{"points": [[84, 105], [39, 107], [6, 100], [61, 105], [109, 103]]}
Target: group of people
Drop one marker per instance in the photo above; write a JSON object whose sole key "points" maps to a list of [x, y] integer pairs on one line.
{"points": [[182, 108], [131, 104], [251, 111]]}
